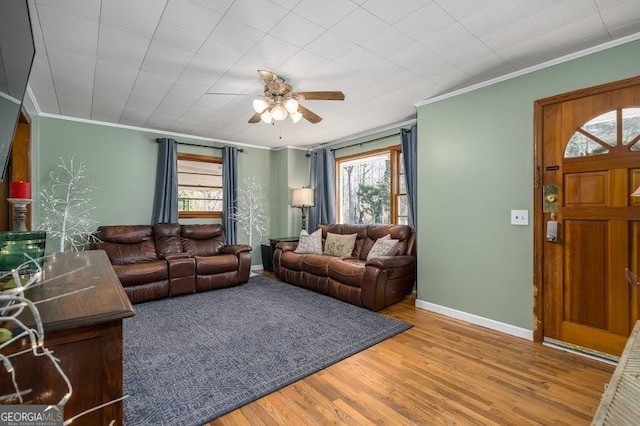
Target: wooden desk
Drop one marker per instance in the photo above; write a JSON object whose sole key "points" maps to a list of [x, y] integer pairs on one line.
{"points": [[84, 330]]}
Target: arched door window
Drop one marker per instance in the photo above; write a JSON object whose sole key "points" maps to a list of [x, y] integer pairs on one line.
{"points": [[616, 129]]}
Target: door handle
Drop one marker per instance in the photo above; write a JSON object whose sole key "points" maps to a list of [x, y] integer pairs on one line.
{"points": [[552, 231]]}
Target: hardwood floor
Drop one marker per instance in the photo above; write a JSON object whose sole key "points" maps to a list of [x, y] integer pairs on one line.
{"points": [[441, 371]]}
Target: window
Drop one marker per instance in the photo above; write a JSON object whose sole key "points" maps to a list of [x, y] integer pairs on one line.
{"points": [[371, 187], [199, 186], [617, 129]]}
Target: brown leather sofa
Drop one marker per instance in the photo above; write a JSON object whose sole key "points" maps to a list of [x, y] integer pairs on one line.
{"points": [[169, 259], [374, 283]]}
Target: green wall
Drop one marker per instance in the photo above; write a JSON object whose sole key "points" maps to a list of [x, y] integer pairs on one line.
{"points": [[475, 164], [121, 163]]}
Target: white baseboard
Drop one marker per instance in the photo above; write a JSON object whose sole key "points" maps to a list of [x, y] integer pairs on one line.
{"points": [[256, 267], [477, 320]]}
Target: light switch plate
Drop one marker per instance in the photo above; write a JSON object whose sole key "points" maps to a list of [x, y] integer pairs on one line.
{"points": [[519, 217]]}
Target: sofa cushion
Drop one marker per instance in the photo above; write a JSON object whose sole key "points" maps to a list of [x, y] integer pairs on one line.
{"points": [[167, 238], [209, 265], [347, 271], [143, 272], [202, 240], [310, 243], [339, 244], [385, 246], [317, 264], [127, 244]]}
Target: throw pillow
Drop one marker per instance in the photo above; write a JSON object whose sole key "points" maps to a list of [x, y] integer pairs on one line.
{"points": [[384, 246], [339, 245], [310, 243]]}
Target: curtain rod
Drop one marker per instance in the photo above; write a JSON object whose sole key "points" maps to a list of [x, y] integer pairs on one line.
{"points": [[362, 143], [197, 144]]}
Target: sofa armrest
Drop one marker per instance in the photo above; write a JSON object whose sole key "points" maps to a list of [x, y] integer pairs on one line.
{"points": [[287, 245], [385, 262], [387, 280], [235, 249]]}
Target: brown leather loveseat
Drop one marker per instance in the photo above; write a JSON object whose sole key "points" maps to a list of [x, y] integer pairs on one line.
{"points": [[373, 283], [169, 259]]}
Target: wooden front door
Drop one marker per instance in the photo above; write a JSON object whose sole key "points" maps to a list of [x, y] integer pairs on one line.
{"points": [[588, 148]]}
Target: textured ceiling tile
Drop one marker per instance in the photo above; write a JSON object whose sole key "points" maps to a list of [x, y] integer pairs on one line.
{"points": [[387, 41], [329, 46], [152, 86], [273, 51], [359, 26], [296, 30], [204, 71], [493, 17], [86, 9], [121, 48], [178, 37], [511, 35], [114, 77], [262, 15], [563, 14], [425, 22], [220, 6], [60, 30], [121, 15], [325, 13], [231, 35], [460, 9], [393, 11], [184, 93], [165, 61], [191, 16], [450, 38]]}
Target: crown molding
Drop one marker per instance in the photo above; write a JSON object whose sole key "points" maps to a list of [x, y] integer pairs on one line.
{"points": [[148, 130], [366, 133], [529, 70]]}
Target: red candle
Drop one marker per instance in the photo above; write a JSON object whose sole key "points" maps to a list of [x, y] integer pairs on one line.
{"points": [[20, 189]]}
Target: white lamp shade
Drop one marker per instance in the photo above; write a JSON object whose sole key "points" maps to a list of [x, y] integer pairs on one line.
{"points": [[260, 105], [295, 116], [278, 112], [291, 105], [302, 197], [266, 117], [636, 193]]}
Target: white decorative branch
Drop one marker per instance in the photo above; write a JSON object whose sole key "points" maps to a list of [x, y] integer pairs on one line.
{"points": [[67, 206], [250, 215]]}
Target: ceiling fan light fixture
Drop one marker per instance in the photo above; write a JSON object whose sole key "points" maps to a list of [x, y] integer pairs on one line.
{"points": [[260, 105], [278, 112], [295, 116], [291, 105], [266, 117]]}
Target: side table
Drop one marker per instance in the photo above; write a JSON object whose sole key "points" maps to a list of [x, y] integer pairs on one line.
{"points": [[267, 251]]}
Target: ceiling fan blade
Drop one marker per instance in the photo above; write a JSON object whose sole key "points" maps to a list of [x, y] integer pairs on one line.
{"points": [[255, 118], [325, 96], [272, 81], [308, 115]]}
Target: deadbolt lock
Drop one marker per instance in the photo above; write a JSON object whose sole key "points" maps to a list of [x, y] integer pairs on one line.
{"points": [[550, 197]]}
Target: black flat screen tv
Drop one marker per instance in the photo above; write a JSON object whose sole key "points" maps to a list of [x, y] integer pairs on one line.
{"points": [[16, 57]]}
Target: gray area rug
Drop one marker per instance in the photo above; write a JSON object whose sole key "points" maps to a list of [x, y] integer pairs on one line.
{"points": [[191, 359]]}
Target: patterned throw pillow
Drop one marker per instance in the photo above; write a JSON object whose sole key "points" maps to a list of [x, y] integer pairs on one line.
{"points": [[384, 246], [310, 243], [339, 245]]}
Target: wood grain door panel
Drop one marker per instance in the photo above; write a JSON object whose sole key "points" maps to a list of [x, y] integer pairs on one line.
{"points": [[582, 294]]}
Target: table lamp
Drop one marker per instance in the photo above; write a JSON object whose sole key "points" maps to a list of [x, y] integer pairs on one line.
{"points": [[303, 198]]}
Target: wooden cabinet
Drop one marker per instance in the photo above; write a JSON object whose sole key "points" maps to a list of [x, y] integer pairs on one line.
{"points": [[83, 327]]}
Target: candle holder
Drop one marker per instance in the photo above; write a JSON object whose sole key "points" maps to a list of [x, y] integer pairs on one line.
{"points": [[19, 213]]}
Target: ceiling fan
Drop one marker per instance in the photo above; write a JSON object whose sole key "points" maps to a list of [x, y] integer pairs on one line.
{"points": [[279, 101]]}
